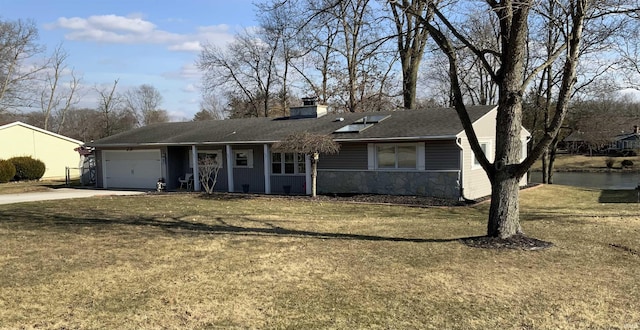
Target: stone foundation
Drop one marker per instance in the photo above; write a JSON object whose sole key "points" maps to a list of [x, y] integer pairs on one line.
{"points": [[433, 184]]}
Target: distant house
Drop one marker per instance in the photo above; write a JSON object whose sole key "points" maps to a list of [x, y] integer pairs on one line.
{"points": [[603, 141], [626, 141], [56, 151], [416, 152]]}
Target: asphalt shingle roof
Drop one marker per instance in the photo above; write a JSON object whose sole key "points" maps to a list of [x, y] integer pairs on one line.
{"points": [[428, 123]]}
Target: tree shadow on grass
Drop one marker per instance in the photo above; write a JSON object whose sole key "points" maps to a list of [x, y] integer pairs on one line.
{"points": [[28, 220], [220, 196], [619, 196]]}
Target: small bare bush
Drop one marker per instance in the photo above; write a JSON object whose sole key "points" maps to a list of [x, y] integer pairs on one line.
{"points": [[208, 169], [610, 162]]}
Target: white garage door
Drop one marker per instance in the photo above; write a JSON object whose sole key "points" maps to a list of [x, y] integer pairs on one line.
{"points": [[132, 169]]}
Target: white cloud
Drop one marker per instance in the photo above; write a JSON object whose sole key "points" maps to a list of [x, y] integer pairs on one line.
{"points": [[187, 71], [119, 23], [134, 29], [190, 88], [189, 46], [114, 29], [630, 93]]}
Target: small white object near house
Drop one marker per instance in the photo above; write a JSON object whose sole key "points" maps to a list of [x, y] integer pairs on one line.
{"points": [[186, 180]]}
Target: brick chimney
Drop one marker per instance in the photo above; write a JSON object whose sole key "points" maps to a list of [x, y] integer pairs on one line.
{"points": [[635, 129], [309, 109]]}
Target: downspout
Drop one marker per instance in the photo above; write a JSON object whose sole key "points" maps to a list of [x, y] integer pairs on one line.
{"points": [[230, 156], [196, 168], [307, 174], [525, 148], [460, 171], [267, 172]]}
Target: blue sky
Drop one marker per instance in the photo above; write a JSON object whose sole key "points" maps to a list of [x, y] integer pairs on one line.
{"points": [[136, 41]]}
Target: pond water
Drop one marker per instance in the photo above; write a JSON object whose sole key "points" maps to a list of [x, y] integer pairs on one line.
{"points": [[613, 180]]}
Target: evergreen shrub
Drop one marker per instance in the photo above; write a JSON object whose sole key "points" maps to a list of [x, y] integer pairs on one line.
{"points": [[28, 168], [7, 171]]}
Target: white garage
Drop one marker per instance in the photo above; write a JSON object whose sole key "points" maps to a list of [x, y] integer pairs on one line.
{"points": [[131, 168]]}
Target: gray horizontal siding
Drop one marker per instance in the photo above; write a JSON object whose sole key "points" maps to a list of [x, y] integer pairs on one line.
{"points": [[296, 182], [441, 155], [352, 156], [254, 177], [222, 182]]}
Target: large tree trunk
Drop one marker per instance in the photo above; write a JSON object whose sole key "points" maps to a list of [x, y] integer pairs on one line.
{"points": [[504, 173], [409, 83], [545, 166], [553, 149], [504, 213]]}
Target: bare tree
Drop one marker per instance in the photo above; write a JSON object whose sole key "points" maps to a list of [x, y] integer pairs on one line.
{"points": [[58, 96], [245, 69], [208, 169], [210, 108], [591, 76], [412, 36], [281, 24], [599, 121], [360, 47], [82, 124], [308, 144], [144, 101], [108, 106], [322, 57], [510, 77], [17, 46], [156, 116]]}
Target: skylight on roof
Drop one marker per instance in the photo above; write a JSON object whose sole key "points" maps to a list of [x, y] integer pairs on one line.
{"points": [[362, 124], [353, 128]]}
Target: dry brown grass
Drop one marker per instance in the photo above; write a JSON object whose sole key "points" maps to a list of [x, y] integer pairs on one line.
{"points": [[180, 261], [18, 187]]}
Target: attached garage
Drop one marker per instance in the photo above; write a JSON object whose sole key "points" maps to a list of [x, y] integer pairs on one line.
{"points": [[138, 169]]}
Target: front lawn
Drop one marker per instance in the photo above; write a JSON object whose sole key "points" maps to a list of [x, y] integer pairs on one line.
{"points": [[18, 187], [182, 261]]}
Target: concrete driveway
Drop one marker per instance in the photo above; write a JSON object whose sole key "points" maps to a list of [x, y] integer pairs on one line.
{"points": [[61, 193]]}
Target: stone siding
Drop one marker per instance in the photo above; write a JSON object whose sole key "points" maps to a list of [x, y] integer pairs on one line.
{"points": [[433, 184]]}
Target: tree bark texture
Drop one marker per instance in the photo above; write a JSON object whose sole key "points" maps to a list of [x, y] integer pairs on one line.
{"points": [[504, 213]]}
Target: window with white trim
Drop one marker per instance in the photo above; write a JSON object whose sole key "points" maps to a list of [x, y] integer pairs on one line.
{"points": [[485, 149], [288, 163], [216, 155], [396, 156], [243, 158]]}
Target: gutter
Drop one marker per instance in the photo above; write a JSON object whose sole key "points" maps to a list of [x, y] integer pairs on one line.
{"points": [[459, 144], [177, 144], [406, 138]]}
